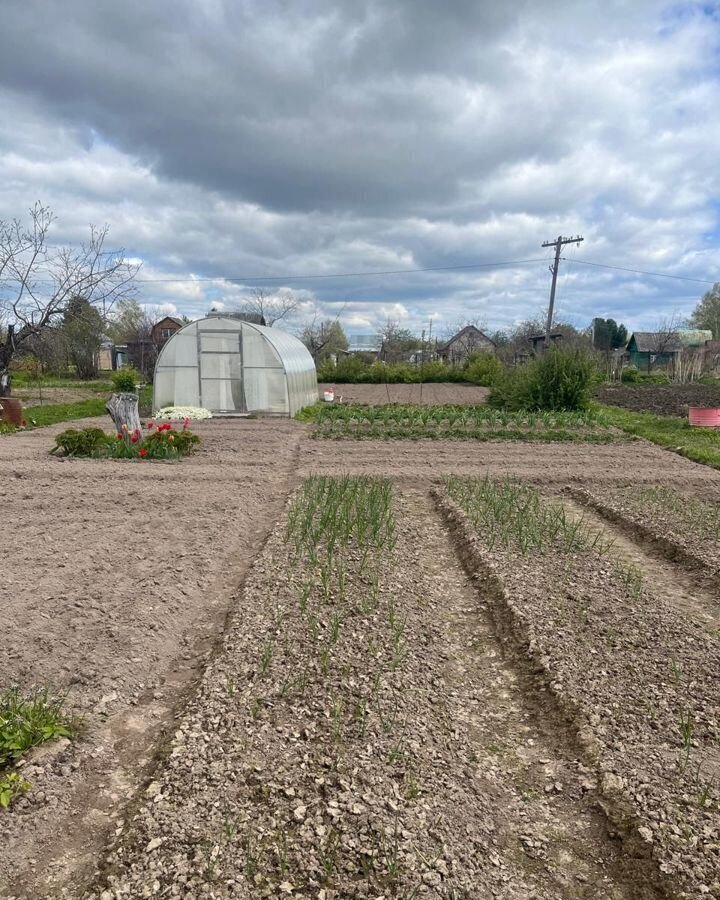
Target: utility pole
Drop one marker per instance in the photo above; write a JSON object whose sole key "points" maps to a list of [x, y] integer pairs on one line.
{"points": [[558, 245]]}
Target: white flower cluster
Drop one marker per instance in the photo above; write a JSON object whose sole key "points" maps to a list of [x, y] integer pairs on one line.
{"points": [[194, 413]]}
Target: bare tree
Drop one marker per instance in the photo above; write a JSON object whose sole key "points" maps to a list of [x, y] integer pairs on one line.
{"points": [[664, 340], [324, 337], [38, 281], [271, 308]]}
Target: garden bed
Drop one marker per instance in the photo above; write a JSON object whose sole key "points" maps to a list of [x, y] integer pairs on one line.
{"points": [[443, 422], [117, 578], [345, 744], [638, 679], [679, 525], [661, 399]]}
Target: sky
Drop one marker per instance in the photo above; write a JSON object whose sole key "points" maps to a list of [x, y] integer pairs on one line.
{"points": [[234, 144]]}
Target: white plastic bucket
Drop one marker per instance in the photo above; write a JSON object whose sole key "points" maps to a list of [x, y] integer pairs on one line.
{"points": [[329, 396]]}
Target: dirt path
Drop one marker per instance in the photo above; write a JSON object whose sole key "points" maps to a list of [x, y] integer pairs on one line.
{"points": [[117, 581], [670, 582], [556, 842]]}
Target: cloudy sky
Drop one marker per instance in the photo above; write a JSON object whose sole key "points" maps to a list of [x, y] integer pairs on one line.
{"points": [[253, 139]]}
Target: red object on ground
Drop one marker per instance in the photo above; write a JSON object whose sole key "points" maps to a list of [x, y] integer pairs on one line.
{"points": [[704, 418], [11, 411]]}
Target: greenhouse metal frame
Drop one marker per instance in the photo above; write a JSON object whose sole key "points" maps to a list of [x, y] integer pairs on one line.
{"points": [[234, 367]]}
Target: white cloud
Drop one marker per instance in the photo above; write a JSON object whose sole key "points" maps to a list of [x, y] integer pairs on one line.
{"points": [[368, 136]]}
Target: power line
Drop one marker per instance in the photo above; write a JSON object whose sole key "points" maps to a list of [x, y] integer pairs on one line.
{"points": [[492, 265], [585, 262]]}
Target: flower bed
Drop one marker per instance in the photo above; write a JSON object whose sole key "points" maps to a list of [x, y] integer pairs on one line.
{"points": [[638, 679], [189, 413], [154, 442]]}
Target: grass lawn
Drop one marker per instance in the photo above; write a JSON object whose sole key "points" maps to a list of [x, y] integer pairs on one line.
{"points": [[699, 444], [39, 416]]}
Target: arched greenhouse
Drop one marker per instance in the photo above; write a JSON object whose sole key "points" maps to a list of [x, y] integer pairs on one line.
{"points": [[231, 366]]}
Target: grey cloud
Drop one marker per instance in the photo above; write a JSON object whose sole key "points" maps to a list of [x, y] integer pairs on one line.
{"points": [[265, 137]]}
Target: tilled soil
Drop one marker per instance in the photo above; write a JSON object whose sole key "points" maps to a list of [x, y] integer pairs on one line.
{"points": [[121, 576], [450, 784], [48, 396], [116, 579], [661, 399], [637, 677], [547, 463], [678, 534], [430, 394]]}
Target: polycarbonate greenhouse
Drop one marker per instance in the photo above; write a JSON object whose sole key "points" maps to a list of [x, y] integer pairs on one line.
{"points": [[231, 367]]}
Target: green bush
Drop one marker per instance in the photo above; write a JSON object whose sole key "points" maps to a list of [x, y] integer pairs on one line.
{"points": [[125, 381], [483, 368], [631, 375], [559, 379], [82, 442], [352, 370]]}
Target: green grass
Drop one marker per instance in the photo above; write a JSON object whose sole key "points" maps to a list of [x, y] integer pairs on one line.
{"points": [[701, 445], [40, 416]]}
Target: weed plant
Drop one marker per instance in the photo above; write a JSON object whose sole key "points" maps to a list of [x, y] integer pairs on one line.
{"points": [[27, 720]]}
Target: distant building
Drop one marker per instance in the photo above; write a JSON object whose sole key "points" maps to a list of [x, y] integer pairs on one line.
{"points": [[163, 330], [468, 340], [646, 349], [537, 341]]}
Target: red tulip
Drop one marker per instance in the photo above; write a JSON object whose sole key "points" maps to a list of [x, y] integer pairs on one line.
{"points": [[143, 452], [120, 437], [135, 439]]}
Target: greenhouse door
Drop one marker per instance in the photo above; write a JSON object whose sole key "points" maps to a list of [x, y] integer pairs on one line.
{"points": [[220, 355]]}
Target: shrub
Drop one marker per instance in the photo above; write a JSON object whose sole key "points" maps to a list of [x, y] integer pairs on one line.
{"points": [[483, 368], [81, 442], [631, 375], [558, 380], [125, 381], [353, 370]]}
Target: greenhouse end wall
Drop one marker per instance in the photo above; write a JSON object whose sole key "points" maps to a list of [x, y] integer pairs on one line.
{"points": [[232, 367]]}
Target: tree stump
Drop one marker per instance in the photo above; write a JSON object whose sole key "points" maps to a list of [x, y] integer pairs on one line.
{"points": [[123, 410]]}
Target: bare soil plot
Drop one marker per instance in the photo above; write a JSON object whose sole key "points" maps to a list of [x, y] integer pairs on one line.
{"points": [[431, 394], [361, 737], [636, 676], [549, 463], [34, 396], [661, 399], [116, 579]]}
